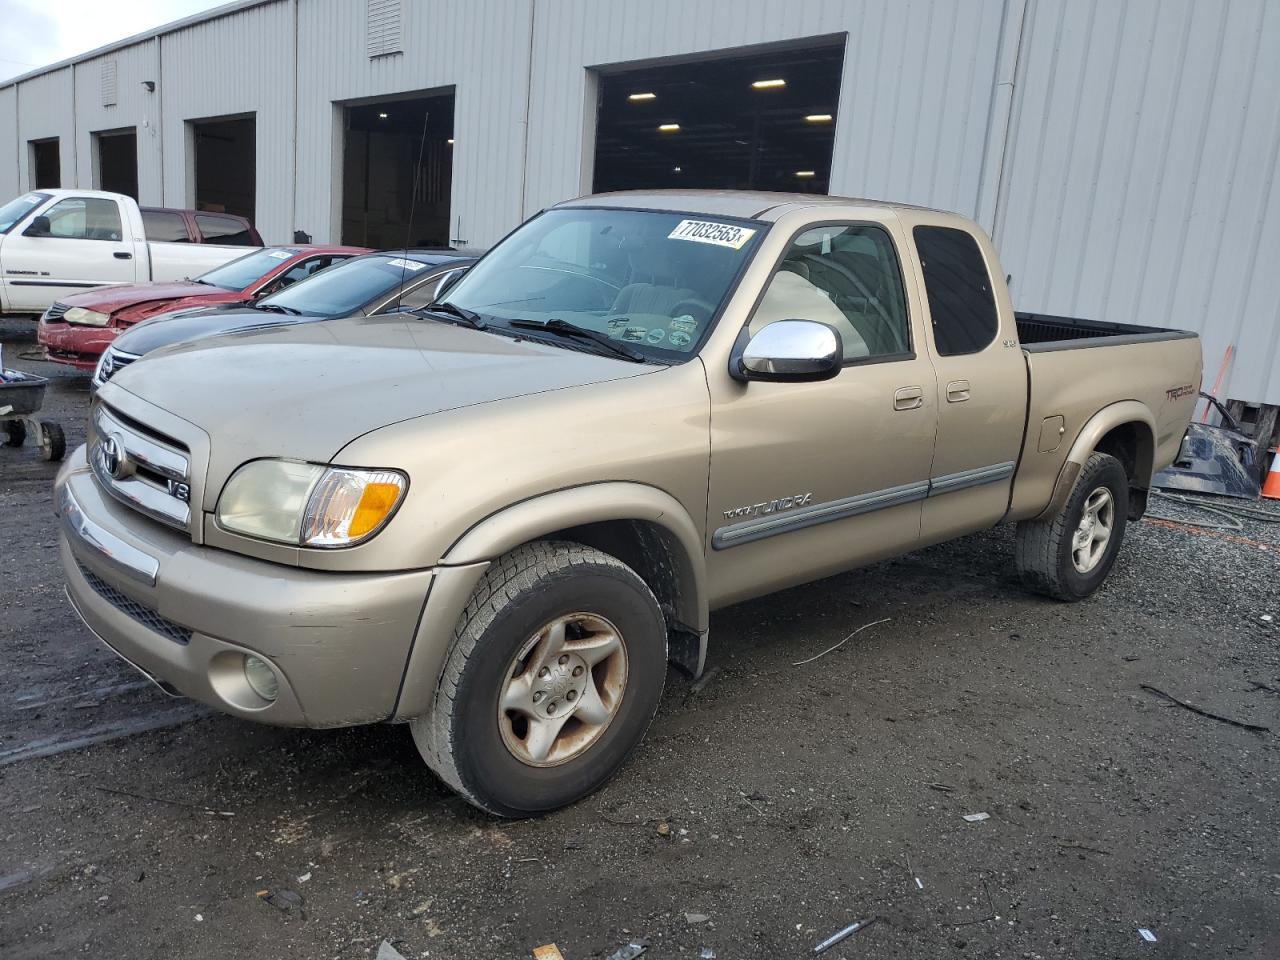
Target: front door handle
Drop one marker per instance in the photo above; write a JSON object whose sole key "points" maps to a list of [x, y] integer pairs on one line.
{"points": [[908, 398], [122, 255], [957, 391]]}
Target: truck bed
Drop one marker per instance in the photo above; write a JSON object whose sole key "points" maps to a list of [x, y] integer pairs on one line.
{"points": [[1040, 333]]}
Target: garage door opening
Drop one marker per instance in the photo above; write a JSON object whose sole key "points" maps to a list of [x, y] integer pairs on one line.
{"points": [[397, 169], [117, 152], [46, 166], [760, 122], [224, 152]]}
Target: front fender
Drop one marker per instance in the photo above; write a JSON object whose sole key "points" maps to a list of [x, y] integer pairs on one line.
{"points": [[465, 562]]}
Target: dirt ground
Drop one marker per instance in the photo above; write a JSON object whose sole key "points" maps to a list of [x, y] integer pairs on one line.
{"points": [[768, 808]]}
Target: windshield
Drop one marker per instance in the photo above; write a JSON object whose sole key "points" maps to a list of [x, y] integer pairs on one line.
{"points": [[16, 209], [653, 280], [242, 271], [348, 286]]}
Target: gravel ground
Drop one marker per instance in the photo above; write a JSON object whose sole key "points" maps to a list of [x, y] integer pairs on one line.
{"points": [[767, 808]]}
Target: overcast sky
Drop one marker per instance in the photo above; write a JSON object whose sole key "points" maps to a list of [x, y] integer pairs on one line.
{"points": [[34, 33]]}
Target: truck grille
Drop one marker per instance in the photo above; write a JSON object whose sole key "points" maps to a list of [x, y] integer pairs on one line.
{"points": [[144, 470], [112, 361], [135, 610]]}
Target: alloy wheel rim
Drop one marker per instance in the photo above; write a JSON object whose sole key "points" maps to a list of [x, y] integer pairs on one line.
{"points": [[563, 689], [1093, 534]]}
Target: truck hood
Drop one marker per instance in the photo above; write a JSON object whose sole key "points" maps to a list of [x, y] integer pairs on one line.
{"points": [[111, 299], [304, 391]]}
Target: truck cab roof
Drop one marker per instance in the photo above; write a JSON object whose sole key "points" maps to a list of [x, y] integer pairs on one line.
{"points": [[746, 204]]}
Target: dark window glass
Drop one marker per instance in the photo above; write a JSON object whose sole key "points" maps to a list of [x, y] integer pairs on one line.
{"points": [[348, 287], [85, 218], [164, 226], [226, 231], [420, 295], [845, 276], [956, 281]]}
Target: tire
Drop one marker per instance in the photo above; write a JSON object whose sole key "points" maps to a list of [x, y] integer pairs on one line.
{"points": [[1046, 550], [477, 748], [15, 433], [53, 442]]}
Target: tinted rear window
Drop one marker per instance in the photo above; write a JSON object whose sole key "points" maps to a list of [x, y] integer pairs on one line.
{"points": [[165, 227], [226, 231], [961, 302]]}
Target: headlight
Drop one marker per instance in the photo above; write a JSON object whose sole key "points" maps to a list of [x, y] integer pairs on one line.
{"points": [[307, 504], [86, 318]]}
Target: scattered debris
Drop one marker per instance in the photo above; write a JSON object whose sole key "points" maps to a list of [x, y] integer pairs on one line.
{"points": [[630, 951], [696, 918], [1266, 618], [748, 801], [977, 817], [171, 803], [801, 663], [1256, 728], [387, 952], [1067, 845], [199, 918], [941, 787], [844, 934], [991, 912], [282, 899], [664, 829], [1146, 935], [548, 951], [304, 877], [707, 954]]}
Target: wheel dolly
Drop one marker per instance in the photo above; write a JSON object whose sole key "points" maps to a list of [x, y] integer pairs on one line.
{"points": [[21, 396]]}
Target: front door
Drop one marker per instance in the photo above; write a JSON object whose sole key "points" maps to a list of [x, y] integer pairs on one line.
{"points": [[86, 246], [811, 478]]}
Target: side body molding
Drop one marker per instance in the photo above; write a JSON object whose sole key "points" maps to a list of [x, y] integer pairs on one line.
{"points": [[1097, 427], [464, 564]]}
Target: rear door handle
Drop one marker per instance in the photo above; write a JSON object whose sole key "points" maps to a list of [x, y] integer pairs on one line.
{"points": [[957, 391], [908, 398], [122, 255]]}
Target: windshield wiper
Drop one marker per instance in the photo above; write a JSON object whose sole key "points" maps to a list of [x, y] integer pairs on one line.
{"points": [[279, 308], [565, 329], [455, 314]]}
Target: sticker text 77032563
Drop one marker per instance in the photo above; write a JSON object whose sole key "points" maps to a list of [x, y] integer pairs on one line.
{"points": [[707, 231]]}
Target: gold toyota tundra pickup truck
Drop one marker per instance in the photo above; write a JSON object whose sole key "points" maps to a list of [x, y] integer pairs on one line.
{"points": [[499, 515]]}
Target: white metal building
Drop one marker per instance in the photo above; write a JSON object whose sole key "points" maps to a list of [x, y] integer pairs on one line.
{"points": [[1121, 152]]}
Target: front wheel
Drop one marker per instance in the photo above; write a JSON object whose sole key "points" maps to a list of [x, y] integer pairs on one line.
{"points": [[1069, 555], [555, 672]]}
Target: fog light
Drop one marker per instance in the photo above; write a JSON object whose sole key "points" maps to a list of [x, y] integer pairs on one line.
{"points": [[261, 678]]}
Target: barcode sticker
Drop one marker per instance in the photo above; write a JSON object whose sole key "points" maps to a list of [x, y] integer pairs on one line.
{"points": [[279, 254], [405, 264]]}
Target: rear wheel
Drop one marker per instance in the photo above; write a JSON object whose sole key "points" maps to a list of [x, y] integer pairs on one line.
{"points": [[1068, 556], [555, 672]]}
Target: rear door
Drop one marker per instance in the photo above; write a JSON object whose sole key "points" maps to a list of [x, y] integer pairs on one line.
{"points": [[87, 244], [981, 380]]}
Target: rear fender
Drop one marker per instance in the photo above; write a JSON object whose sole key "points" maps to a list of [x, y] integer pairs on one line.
{"points": [[1087, 440]]}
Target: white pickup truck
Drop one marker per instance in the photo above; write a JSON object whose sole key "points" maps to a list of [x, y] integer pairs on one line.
{"points": [[57, 242]]}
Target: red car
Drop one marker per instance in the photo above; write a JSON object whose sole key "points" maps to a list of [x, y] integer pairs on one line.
{"points": [[76, 329]]}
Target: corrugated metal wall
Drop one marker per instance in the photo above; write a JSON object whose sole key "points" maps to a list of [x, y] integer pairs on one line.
{"points": [[1126, 167], [1140, 172], [134, 107], [914, 102], [478, 47], [229, 66]]}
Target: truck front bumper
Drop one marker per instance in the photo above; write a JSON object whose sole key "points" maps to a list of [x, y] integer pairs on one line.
{"points": [[187, 616]]}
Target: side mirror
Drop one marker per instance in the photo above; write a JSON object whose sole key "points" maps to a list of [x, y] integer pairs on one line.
{"points": [[39, 227], [789, 351]]}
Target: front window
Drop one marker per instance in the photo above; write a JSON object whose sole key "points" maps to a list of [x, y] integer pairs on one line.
{"points": [[346, 287], [242, 271], [653, 280], [85, 218], [16, 209]]}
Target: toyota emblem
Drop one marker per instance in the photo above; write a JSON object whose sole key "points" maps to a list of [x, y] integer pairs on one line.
{"points": [[111, 449]]}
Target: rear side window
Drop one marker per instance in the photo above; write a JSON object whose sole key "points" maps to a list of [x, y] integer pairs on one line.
{"points": [[227, 231], [961, 302], [164, 226]]}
